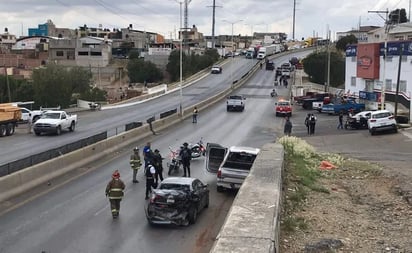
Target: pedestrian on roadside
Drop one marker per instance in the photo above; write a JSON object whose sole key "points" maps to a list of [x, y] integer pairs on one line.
{"points": [[288, 127], [194, 116], [340, 125]]}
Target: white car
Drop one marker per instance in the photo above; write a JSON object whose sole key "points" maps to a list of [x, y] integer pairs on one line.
{"points": [[231, 165], [216, 70], [381, 120]]}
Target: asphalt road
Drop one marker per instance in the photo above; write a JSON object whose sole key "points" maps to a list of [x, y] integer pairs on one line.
{"points": [[73, 215], [23, 145]]}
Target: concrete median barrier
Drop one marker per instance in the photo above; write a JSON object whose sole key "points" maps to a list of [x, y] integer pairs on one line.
{"points": [[252, 224]]}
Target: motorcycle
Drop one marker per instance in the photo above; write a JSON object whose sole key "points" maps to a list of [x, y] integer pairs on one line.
{"points": [[198, 149], [175, 161]]}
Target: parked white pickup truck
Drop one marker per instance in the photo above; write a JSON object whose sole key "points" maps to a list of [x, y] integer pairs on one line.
{"points": [[55, 122]]}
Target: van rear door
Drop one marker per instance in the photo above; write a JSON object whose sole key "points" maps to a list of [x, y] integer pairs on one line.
{"points": [[215, 153]]}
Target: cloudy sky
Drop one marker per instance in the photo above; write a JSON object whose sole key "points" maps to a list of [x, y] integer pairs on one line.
{"points": [[163, 16]]}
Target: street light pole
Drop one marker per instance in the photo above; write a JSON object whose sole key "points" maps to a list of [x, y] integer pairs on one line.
{"points": [[232, 54], [181, 61]]}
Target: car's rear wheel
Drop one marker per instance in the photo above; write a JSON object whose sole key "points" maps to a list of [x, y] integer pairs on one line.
{"points": [[37, 133], [371, 131], [207, 202], [395, 129], [58, 130]]}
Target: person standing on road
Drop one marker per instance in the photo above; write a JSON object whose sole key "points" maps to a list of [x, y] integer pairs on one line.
{"points": [[147, 154], [194, 116], [135, 163], [29, 124], [307, 123], [340, 125], [312, 124], [288, 127], [115, 192], [150, 172], [186, 156], [158, 164]]}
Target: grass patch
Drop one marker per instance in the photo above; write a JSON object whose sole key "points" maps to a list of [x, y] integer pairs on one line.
{"points": [[301, 177]]}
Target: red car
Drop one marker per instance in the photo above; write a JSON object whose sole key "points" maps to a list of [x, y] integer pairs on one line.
{"points": [[283, 108]]}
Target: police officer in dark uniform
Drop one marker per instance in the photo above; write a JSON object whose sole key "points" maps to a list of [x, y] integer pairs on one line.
{"points": [[186, 156], [150, 172], [158, 164]]}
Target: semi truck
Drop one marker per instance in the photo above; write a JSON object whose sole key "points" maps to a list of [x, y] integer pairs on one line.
{"points": [[267, 51], [10, 115]]}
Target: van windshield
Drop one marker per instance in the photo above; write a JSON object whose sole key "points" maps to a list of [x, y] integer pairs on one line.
{"points": [[242, 160]]}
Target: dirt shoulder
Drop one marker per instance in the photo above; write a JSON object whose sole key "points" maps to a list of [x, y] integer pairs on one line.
{"points": [[359, 209]]}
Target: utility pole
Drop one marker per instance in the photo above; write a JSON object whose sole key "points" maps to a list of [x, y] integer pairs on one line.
{"points": [[328, 70], [385, 49], [398, 80], [213, 21], [294, 11]]}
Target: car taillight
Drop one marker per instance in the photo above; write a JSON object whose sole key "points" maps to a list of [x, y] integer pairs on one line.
{"points": [[391, 117], [373, 120], [153, 198], [219, 173]]}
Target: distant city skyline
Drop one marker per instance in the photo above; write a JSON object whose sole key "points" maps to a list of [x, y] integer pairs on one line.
{"points": [[313, 17]]}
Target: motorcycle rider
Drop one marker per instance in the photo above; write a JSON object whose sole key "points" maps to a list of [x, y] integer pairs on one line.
{"points": [[150, 172], [186, 156], [135, 163], [158, 164], [115, 192]]}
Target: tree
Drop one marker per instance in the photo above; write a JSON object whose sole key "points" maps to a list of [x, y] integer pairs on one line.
{"points": [[54, 85], [343, 42], [398, 16], [191, 63], [315, 65], [141, 71]]}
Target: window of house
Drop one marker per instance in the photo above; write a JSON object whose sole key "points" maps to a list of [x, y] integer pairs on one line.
{"points": [[353, 81], [83, 53], [96, 53], [59, 53], [388, 84], [402, 86], [369, 85]]}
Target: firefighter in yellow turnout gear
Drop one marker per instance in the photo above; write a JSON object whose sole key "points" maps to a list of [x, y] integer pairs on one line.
{"points": [[115, 192], [135, 163]]}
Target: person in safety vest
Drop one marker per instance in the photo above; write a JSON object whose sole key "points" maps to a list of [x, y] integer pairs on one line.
{"points": [[115, 192], [150, 172], [135, 163]]}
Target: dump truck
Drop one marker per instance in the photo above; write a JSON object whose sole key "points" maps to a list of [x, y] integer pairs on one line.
{"points": [[10, 115]]}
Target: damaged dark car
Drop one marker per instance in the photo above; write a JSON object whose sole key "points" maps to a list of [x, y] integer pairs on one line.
{"points": [[178, 201]]}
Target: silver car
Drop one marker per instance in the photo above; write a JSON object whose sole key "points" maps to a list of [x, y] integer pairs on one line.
{"points": [[231, 165]]}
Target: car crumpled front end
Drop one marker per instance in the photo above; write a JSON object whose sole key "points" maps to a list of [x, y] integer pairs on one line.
{"points": [[169, 207]]}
